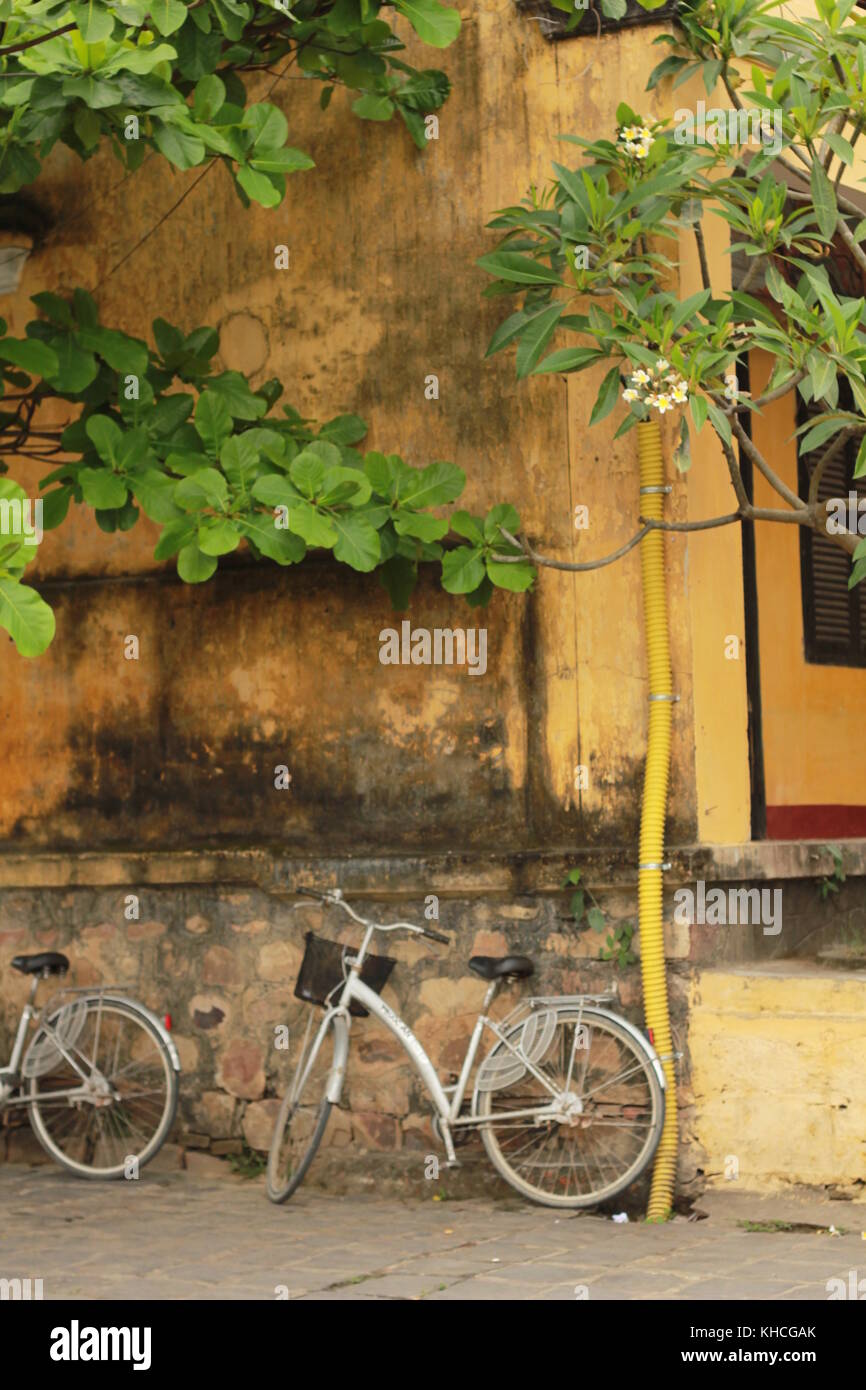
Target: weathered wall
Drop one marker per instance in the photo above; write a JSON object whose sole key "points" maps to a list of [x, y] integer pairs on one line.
{"points": [[251, 671]]}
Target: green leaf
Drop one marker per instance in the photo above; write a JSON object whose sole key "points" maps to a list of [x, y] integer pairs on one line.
{"points": [[345, 486], [608, 395], [182, 150], [55, 505], [398, 576], [568, 360], [823, 199], [213, 421], [840, 146], [517, 577], [239, 459], [258, 187], [102, 488], [357, 542], [683, 451], [720, 422], [344, 429], [536, 336], [218, 537], [595, 919], [167, 15], [860, 463], [174, 536], [26, 617], [373, 107], [282, 546], [94, 22], [122, 353], [858, 573], [233, 389], [462, 569], [208, 97], [154, 491], [503, 514], [34, 357], [106, 436], [421, 525], [76, 368], [464, 524], [698, 407], [287, 160], [510, 265], [307, 472], [206, 488], [314, 527], [434, 23], [193, 566], [432, 486], [268, 124]]}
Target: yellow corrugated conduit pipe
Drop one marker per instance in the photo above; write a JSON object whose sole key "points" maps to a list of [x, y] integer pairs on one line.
{"points": [[654, 808]]}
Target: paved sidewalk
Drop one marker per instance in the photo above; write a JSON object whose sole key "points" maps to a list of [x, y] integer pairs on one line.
{"points": [[179, 1236]]}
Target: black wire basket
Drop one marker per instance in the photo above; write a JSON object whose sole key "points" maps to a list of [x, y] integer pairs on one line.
{"points": [[323, 971]]}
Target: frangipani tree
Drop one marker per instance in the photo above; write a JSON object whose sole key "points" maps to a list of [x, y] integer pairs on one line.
{"points": [[593, 256]]}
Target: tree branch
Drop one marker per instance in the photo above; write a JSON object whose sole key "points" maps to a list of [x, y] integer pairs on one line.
{"points": [[31, 43], [702, 257], [763, 467]]}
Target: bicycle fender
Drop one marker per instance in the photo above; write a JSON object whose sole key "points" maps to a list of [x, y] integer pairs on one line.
{"points": [[165, 1035], [640, 1038], [341, 1054]]}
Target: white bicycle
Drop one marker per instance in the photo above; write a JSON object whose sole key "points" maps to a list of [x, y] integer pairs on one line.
{"points": [[99, 1076], [569, 1100]]}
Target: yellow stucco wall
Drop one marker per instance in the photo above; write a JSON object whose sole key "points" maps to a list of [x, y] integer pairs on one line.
{"points": [[777, 1074], [812, 715], [382, 290]]}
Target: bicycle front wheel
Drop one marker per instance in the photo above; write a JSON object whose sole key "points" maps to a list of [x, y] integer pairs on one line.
{"points": [[104, 1109], [610, 1109], [304, 1113]]}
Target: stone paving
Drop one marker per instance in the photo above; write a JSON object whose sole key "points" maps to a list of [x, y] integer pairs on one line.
{"points": [[177, 1235]]}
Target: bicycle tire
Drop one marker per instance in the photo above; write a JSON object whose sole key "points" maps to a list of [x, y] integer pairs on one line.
{"points": [[655, 1097], [283, 1185], [125, 1008]]}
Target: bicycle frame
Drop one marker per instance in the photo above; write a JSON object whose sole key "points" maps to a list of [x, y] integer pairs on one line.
{"points": [[448, 1110]]}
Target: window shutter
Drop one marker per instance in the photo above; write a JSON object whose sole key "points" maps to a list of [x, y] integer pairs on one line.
{"points": [[834, 617]]}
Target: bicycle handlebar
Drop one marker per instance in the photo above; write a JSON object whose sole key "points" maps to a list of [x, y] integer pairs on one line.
{"points": [[336, 898]]}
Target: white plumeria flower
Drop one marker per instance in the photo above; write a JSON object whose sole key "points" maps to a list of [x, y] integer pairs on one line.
{"points": [[680, 392], [651, 398], [640, 377], [663, 403], [641, 151], [628, 132], [645, 134], [662, 364], [629, 394]]}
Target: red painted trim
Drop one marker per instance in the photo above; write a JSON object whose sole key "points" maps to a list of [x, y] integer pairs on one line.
{"points": [[815, 822]]}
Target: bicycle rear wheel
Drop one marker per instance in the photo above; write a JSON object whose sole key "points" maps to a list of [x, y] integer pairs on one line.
{"points": [[107, 1111], [612, 1108], [304, 1113]]}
